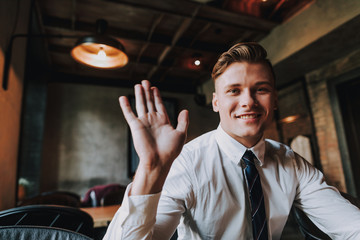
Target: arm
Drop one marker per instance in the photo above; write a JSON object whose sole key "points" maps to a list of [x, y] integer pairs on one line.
{"points": [[157, 144], [324, 205], [139, 217]]}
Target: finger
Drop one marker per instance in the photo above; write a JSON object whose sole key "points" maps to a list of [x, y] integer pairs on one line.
{"points": [[148, 96], [183, 121], [140, 105], [126, 109], [159, 105]]}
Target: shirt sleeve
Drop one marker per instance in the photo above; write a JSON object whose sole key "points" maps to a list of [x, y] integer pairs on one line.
{"points": [[324, 205], [153, 216], [135, 218]]}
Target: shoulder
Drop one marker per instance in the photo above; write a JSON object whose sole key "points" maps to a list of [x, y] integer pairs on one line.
{"points": [[281, 153], [274, 148], [200, 143], [197, 150], [284, 155]]}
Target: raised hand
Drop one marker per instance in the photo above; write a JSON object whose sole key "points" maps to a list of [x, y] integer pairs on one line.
{"points": [[156, 142]]}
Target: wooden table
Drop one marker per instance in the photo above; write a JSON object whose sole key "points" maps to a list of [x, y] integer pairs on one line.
{"points": [[101, 215]]}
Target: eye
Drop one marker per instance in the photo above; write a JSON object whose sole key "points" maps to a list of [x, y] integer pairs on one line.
{"points": [[262, 90], [234, 91]]}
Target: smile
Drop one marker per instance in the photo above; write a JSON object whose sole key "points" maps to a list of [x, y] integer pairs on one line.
{"points": [[248, 116]]}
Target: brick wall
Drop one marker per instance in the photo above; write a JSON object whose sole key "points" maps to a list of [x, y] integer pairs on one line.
{"points": [[328, 141], [326, 132]]}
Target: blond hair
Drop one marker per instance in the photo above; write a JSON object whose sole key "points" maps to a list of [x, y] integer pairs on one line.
{"points": [[241, 52]]}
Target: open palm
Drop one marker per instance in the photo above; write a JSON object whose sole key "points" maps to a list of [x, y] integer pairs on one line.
{"points": [[156, 142]]}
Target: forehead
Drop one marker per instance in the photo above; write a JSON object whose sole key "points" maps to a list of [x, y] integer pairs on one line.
{"points": [[245, 73]]}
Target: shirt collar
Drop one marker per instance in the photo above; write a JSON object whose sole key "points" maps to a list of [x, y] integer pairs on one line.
{"points": [[235, 150]]}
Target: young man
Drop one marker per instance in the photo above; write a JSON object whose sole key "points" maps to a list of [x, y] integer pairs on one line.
{"points": [[207, 191]]}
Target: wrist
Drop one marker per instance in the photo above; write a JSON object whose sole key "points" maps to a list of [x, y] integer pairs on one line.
{"points": [[149, 179]]}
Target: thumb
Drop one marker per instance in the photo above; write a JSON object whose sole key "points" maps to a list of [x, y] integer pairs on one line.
{"points": [[183, 121]]}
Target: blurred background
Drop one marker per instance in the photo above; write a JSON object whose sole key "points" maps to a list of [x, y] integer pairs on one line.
{"points": [[61, 127]]}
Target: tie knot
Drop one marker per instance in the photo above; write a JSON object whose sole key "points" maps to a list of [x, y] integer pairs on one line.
{"points": [[248, 157]]}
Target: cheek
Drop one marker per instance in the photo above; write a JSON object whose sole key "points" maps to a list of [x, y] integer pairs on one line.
{"points": [[229, 106], [226, 109], [268, 103]]}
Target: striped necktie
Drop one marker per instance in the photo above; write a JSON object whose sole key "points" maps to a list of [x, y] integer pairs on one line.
{"points": [[258, 215]]}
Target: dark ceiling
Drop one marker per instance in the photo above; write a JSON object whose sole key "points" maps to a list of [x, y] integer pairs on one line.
{"points": [[161, 37]]}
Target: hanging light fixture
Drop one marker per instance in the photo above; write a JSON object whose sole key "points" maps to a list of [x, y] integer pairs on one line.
{"points": [[99, 50]]}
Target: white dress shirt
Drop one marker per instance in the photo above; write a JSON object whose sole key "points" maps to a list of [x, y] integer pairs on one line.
{"points": [[205, 196]]}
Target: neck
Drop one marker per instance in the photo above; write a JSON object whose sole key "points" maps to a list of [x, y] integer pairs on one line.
{"points": [[248, 142]]}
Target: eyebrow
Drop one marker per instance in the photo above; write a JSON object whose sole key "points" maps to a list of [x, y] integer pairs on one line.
{"points": [[264, 82], [256, 84]]}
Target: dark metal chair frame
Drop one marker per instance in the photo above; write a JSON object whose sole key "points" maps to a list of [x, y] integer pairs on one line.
{"points": [[308, 228], [39, 233], [62, 217], [63, 198]]}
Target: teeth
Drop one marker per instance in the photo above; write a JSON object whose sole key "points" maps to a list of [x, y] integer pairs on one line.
{"points": [[249, 116]]}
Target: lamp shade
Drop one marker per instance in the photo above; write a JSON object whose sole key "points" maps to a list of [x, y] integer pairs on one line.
{"points": [[100, 51]]}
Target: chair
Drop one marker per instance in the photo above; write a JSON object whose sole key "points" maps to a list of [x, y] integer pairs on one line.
{"points": [[63, 198], [69, 218], [308, 228], [39, 233], [355, 201], [114, 197], [104, 195]]}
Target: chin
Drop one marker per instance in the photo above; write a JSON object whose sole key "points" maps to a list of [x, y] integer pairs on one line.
{"points": [[251, 134]]}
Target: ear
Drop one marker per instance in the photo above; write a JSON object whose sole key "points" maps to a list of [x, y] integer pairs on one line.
{"points": [[215, 103]]}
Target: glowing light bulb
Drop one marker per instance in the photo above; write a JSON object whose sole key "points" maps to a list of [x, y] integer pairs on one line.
{"points": [[101, 54], [197, 62]]}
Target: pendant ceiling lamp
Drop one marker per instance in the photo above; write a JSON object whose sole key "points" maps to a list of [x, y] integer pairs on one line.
{"points": [[99, 50]]}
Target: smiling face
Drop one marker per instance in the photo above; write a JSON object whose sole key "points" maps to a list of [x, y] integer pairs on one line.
{"points": [[245, 98]]}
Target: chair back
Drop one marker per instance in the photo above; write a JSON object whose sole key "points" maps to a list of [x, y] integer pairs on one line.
{"points": [[113, 197], [103, 195], [39, 233], [62, 217], [353, 200], [307, 227], [63, 198]]}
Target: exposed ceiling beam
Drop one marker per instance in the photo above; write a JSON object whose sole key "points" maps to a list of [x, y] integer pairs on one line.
{"points": [[62, 26], [204, 29], [180, 31], [208, 13]]}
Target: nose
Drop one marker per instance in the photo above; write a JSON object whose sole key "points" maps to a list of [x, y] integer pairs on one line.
{"points": [[247, 99]]}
